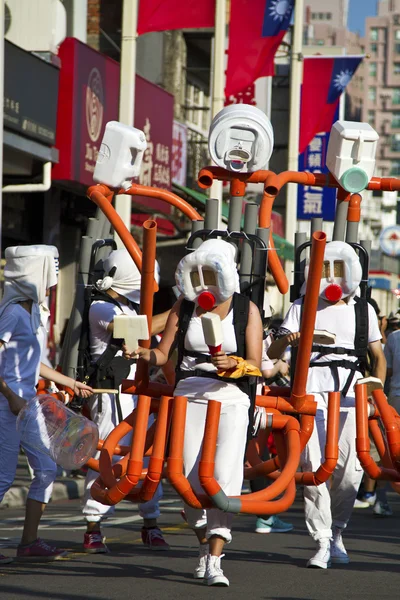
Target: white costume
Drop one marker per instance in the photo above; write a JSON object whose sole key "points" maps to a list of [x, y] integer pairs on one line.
{"points": [[330, 504], [231, 441], [29, 272], [101, 314]]}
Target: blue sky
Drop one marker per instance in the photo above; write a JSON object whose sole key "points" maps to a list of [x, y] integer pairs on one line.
{"points": [[358, 11]]}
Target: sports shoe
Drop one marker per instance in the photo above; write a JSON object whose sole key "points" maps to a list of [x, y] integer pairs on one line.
{"points": [[272, 525], [322, 558], [338, 551], [200, 570], [361, 503], [40, 551], [214, 574], [153, 538], [382, 509], [4, 560], [93, 543], [369, 497]]}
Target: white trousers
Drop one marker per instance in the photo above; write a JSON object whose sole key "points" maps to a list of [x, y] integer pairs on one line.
{"points": [[229, 458], [43, 467], [331, 503], [106, 421]]}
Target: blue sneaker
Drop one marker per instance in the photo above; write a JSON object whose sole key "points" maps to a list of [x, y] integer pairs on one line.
{"points": [[272, 525]]}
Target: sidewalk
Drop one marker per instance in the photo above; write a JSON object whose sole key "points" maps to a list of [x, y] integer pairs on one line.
{"points": [[65, 487]]}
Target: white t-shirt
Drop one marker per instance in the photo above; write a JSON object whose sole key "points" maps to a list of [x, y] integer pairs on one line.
{"points": [[340, 320], [202, 389], [392, 354], [21, 352], [101, 314]]}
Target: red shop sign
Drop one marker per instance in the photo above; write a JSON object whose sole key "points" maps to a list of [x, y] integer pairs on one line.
{"points": [[88, 99]]}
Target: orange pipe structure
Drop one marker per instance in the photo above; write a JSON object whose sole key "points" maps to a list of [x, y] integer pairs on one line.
{"points": [[363, 445], [299, 396], [169, 197], [256, 501], [391, 427], [354, 209]]}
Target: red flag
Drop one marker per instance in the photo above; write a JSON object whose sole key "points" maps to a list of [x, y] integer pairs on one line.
{"points": [[324, 80], [256, 30], [162, 15]]}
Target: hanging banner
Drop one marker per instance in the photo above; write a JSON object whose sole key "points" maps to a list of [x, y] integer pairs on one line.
{"points": [[316, 201]]}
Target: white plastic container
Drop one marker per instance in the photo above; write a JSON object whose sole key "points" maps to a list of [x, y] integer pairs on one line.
{"points": [[241, 138], [49, 426], [120, 155], [351, 154]]}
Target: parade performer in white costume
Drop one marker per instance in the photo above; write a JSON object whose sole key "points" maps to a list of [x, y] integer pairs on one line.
{"points": [[119, 293], [208, 281], [29, 273], [337, 367]]}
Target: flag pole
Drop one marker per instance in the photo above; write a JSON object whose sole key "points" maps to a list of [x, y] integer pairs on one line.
{"points": [[218, 84], [123, 203], [296, 75]]}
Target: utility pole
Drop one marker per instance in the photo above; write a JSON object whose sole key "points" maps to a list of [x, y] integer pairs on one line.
{"points": [[123, 202], [296, 75]]}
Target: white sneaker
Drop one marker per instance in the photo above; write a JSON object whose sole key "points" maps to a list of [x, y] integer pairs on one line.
{"points": [[338, 551], [214, 574], [200, 570], [322, 558]]}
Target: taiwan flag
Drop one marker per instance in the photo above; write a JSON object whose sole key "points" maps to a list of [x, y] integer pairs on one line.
{"points": [[163, 15], [324, 80], [256, 30]]}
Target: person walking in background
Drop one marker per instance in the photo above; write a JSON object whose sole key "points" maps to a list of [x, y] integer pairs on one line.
{"points": [[29, 273]]}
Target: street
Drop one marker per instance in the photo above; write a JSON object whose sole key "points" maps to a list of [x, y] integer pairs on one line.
{"points": [[263, 567]]}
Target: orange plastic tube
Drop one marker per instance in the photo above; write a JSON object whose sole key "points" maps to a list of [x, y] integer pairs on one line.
{"points": [[252, 502], [154, 389], [363, 445], [391, 427], [96, 193], [283, 405], [169, 197], [379, 442], [354, 210], [156, 462], [299, 396], [322, 474], [175, 458]]}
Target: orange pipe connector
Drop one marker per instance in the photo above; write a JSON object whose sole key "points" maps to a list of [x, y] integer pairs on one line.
{"points": [[299, 396]]}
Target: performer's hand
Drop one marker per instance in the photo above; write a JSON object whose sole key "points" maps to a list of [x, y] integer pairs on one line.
{"points": [[223, 362], [82, 390], [293, 339]]}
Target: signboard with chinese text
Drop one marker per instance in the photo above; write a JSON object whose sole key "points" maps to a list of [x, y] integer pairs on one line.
{"points": [[179, 153], [30, 94], [313, 201], [89, 90]]}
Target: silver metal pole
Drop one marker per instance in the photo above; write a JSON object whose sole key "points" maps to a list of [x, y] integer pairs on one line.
{"points": [[246, 258], [339, 226], [316, 224], [352, 232], [197, 226], [211, 216], [235, 213]]}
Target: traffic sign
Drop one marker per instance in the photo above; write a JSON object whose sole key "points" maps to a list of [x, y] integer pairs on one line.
{"points": [[389, 240]]}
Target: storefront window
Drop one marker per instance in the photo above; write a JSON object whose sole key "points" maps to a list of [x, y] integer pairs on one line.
{"points": [[374, 33], [395, 143], [396, 119], [372, 93], [396, 68], [396, 96], [374, 48], [395, 168], [372, 69]]}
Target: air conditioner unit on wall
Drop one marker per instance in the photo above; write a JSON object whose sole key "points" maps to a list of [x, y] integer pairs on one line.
{"points": [[35, 25]]}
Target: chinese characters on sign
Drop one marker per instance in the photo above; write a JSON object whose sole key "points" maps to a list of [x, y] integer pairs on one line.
{"points": [[313, 201], [179, 153]]}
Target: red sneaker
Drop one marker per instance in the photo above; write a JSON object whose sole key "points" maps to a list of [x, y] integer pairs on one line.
{"points": [[4, 560], [93, 543], [39, 551], [153, 539]]}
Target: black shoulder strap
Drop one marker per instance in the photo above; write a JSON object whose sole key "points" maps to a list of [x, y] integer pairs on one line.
{"points": [[240, 306], [362, 326], [185, 314]]}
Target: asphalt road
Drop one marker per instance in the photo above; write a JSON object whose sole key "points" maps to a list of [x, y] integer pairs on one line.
{"points": [[260, 567]]}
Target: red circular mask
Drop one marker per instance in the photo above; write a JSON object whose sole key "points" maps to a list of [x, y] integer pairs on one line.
{"points": [[333, 292], [206, 300]]}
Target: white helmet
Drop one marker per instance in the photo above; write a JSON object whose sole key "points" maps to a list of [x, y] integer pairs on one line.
{"points": [[341, 272], [208, 275]]}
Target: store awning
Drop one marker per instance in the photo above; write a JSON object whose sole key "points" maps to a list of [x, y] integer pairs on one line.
{"points": [[284, 249]]}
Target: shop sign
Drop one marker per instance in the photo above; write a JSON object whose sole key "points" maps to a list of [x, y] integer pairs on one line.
{"points": [[179, 153], [30, 94]]}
